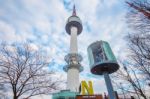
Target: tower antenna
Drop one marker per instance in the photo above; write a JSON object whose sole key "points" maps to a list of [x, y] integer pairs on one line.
{"points": [[74, 10]]}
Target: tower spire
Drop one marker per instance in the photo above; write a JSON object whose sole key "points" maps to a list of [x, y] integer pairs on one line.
{"points": [[74, 11]]}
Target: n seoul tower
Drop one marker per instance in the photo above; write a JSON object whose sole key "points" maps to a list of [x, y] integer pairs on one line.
{"points": [[73, 59]]}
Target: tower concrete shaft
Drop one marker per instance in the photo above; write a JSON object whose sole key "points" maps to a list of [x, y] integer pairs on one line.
{"points": [[73, 40], [73, 73], [73, 79], [73, 59]]}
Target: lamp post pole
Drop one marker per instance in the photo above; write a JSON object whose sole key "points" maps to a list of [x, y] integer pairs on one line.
{"points": [[109, 86]]}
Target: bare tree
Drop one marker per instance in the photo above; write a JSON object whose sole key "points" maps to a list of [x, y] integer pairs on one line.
{"points": [[138, 16], [136, 72], [130, 82], [24, 71], [138, 19], [140, 53]]}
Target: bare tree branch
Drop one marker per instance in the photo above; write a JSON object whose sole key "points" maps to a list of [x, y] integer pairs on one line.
{"points": [[23, 69]]}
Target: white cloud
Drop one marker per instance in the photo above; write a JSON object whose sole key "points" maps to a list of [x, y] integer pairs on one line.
{"points": [[7, 31], [6, 28], [33, 47]]}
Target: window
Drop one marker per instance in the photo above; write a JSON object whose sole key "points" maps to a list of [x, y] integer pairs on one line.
{"points": [[98, 54]]}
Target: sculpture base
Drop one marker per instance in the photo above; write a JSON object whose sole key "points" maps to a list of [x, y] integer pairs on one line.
{"points": [[65, 94]]}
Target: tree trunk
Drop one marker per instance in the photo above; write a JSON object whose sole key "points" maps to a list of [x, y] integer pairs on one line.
{"points": [[15, 97]]}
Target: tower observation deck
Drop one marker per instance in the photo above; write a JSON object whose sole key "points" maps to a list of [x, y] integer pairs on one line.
{"points": [[73, 59]]}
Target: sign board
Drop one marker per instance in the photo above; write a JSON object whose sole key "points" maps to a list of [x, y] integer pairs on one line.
{"points": [[87, 88], [89, 97]]}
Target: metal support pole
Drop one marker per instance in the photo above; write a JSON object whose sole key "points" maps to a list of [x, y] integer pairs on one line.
{"points": [[109, 86]]}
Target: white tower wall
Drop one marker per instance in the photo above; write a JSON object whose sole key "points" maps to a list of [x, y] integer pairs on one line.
{"points": [[73, 40], [73, 79], [73, 73]]}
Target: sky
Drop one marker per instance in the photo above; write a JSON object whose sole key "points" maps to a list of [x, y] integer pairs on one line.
{"points": [[42, 24]]}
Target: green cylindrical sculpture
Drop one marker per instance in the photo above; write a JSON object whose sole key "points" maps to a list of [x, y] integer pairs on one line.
{"points": [[101, 58]]}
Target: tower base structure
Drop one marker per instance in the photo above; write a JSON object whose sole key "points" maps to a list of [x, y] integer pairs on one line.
{"points": [[65, 94]]}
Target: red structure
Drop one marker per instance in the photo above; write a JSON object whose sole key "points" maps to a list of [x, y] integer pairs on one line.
{"points": [[145, 12], [100, 96], [89, 97]]}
